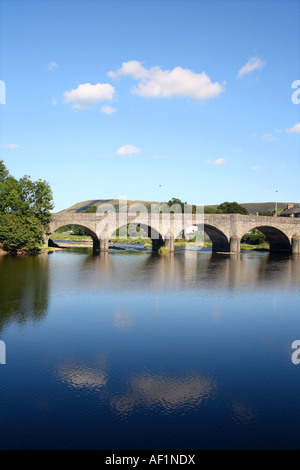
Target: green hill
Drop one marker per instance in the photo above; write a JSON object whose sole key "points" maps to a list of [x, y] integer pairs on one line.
{"points": [[252, 207]]}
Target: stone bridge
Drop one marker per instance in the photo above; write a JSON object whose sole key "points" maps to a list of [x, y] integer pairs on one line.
{"points": [[224, 230]]}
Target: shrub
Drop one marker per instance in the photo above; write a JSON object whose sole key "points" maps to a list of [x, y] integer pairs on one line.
{"points": [[19, 233]]}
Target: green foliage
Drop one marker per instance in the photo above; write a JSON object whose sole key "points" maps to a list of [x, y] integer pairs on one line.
{"points": [[232, 208], [25, 197], [163, 251], [255, 237], [175, 201], [267, 213], [73, 228], [4, 173], [212, 210], [90, 210], [25, 209], [20, 233], [130, 231]]}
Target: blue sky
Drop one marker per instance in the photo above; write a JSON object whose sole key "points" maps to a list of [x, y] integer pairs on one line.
{"points": [[114, 98]]}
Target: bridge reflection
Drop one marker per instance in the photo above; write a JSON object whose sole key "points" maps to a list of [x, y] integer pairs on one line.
{"points": [[191, 271]]}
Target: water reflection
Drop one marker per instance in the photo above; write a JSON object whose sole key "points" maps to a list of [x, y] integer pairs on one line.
{"points": [[24, 289], [123, 321], [243, 414], [163, 392], [82, 376], [26, 282], [129, 348], [189, 271]]}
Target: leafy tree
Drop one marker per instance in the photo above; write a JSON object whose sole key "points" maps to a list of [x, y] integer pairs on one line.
{"points": [[267, 213], [36, 198], [4, 173], [73, 228], [255, 237], [175, 201], [25, 210], [232, 208], [20, 233], [212, 210], [90, 210]]}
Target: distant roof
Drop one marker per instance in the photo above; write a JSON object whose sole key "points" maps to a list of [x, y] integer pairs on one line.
{"points": [[294, 210]]}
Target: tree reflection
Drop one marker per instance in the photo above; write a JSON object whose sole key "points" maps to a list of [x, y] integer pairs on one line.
{"points": [[23, 289]]}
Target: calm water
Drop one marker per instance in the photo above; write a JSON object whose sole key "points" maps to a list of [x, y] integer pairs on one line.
{"points": [[132, 351]]}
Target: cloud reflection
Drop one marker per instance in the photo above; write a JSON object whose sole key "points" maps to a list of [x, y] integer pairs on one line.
{"points": [[123, 321], [242, 414], [164, 392], [81, 376]]}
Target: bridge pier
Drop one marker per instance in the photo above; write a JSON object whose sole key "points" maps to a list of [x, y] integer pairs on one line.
{"points": [[235, 244], [46, 237], [296, 244], [169, 243], [96, 246], [103, 245]]}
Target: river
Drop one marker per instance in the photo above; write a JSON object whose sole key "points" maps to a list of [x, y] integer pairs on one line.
{"points": [[129, 350]]}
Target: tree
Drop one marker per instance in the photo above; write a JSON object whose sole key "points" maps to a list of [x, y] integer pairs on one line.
{"points": [[212, 210], [175, 201], [20, 233], [254, 237], [232, 208], [4, 173], [267, 213], [73, 228], [90, 210], [36, 199], [25, 210]]}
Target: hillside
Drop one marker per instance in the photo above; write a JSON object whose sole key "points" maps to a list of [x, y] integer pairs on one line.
{"points": [[252, 207]]}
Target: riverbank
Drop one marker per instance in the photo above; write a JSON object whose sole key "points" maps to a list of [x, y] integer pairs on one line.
{"points": [[74, 241]]}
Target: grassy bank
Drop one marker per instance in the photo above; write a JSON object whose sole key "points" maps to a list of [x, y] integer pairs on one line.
{"points": [[68, 237], [147, 242]]}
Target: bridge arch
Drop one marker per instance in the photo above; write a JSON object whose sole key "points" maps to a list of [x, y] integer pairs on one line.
{"points": [[153, 233], [55, 226], [279, 241], [220, 242]]}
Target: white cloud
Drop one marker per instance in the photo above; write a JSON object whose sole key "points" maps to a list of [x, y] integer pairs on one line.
{"points": [[160, 157], [54, 101], [268, 137], [255, 168], [295, 129], [128, 150], [253, 64], [87, 95], [158, 83], [52, 66], [238, 150], [220, 161], [10, 146], [107, 109], [282, 166]]}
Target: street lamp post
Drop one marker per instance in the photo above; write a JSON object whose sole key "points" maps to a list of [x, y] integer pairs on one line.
{"points": [[159, 198], [276, 205]]}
